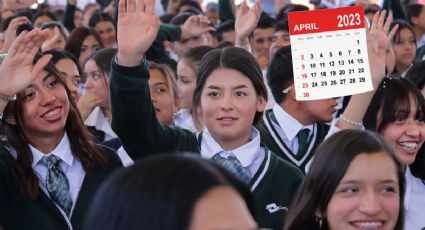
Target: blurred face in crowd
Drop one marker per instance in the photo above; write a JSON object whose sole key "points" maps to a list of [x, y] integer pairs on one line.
{"points": [[186, 82], [107, 33], [162, 97], [260, 43], [404, 49], [89, 46]]}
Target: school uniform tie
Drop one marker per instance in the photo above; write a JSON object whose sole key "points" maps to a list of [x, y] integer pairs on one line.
{"points": [[57, 184], [229, 161], [302, 141]]}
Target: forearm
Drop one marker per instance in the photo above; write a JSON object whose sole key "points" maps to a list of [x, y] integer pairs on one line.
{"points": [[355, 111]]}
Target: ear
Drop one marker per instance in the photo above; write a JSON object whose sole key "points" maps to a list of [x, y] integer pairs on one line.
{"points": [[415, 20], [291, 93], [10, 120], [261, 104], [176, 105]]}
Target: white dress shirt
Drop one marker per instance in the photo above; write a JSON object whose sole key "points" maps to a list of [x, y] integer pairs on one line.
{"points": [[414, 202], [98, 119], [183, 119], [251, 155], [288, 128], [71, 167]]}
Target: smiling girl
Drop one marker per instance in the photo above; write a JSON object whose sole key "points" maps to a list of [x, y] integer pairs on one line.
{"points": [[50, 168]]}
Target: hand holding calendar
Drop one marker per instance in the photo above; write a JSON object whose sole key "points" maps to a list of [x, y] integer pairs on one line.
{"points": [[330, 52]]}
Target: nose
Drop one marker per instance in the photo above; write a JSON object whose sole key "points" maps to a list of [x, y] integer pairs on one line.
{"points": [[370, 203], [89, 83], [46, 97], [226, 103], [413, 129]]}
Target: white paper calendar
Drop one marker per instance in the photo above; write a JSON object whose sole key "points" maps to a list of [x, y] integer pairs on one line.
{"points": [[329, 53]]}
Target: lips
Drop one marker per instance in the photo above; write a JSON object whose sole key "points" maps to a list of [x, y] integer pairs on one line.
{"points": [[227, 120], [53, 114], [409, 147], [368, 224]]}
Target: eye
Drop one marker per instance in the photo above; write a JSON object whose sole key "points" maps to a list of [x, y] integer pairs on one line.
{"points": [[261, 40], [420, 121], [29, 95], [76, 81], [83, 49], [240, 93], [389, 189], [213, 94], [52, 83]]}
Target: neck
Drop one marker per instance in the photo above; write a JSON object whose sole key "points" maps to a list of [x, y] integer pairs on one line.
{"points": [[197, 120], [418, 33], [294, 109], [401, 68], [46, 144], [229, 144]]}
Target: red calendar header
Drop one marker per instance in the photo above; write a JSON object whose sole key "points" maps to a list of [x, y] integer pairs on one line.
{"points": [[315, 21]]}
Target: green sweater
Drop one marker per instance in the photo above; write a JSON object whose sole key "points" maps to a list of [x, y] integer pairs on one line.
{"points": [[18, 211], [134, 120], [270, 137]]}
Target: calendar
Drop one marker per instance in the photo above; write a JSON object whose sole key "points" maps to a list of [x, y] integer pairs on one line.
{"points": [[329, 53]]}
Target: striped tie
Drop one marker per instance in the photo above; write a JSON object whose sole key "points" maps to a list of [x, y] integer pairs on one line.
{"points": [[229, 161], [57, 184]]}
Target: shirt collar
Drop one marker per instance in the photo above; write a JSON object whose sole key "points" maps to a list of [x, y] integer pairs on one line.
{"points": [[289, 125], [98, 119], [62, 150], [246, 153]]}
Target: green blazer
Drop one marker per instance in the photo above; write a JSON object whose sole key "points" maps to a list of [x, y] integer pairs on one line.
{"points": [[17, 211]]}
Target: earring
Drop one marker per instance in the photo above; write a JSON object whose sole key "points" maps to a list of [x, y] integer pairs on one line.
{"points": [[319, 220]]}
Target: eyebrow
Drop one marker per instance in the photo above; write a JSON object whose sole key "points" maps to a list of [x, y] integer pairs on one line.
{"points": [[218, 88], [390, 181]]}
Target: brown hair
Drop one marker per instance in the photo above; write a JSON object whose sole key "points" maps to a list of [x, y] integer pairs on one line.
{"points": [[81, 141]]}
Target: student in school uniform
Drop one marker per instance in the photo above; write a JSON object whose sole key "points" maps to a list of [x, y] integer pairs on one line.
{"points": [[50, 169], [293, 129], [229, 93]]}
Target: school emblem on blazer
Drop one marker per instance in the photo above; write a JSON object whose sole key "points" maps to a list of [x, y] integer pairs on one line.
{"points": [[272, 208]]}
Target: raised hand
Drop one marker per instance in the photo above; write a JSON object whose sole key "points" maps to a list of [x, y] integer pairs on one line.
{"points": [[17, 70], [194, 26], [378, 40], [247, 19], [10, 34], [137, 29], [50, 43]]}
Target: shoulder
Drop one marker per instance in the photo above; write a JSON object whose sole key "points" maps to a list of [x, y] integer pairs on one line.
{"points": [[285, 168], [112, 156]]}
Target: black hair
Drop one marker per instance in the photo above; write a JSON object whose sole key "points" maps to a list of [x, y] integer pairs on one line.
{"points": [[100, 17], [265, 22], [281, 25], [283, 13], [223, 27], [181, 18], [62, 54], [416, 74], [195, 7], [145, 196], [280, 74], [413, 10], [43, 13]]}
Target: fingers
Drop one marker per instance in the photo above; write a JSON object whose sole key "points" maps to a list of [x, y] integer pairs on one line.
{"points": [[375, 22], [140, 5], [17, 45], [150, 7], [392, 33], [16, 22], [381, 19], [40, 64], [121, 9], [131, 6], [388, 23]]}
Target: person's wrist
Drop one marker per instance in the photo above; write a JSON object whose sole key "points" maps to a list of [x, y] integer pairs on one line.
{"points": [[128, 60]]}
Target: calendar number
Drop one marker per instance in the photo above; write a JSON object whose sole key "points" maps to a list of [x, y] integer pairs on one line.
{"points": [[348, 20], [306, 95]]}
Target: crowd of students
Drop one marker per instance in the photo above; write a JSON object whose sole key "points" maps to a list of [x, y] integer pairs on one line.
{"points": [[142, 114]]}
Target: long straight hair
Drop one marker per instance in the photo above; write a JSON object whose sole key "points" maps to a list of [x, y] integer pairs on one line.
{"points": [[81, 142]]}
